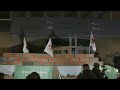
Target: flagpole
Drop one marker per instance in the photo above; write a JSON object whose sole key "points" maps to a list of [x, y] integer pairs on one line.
{"points": [[89, 50], [53, 69], [59, 74], [44, 57], [48, 49], [89, 44]]}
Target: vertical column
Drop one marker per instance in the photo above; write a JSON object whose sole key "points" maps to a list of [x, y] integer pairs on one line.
{"points": [[70, 45], [76, 45], [11, 14], [44, 14], [78, 13], [111, 15], [28, 14], [62, 13]]}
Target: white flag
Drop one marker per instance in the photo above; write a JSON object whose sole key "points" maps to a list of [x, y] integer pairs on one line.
{"points": [[25, 50], [92, 42], [48, 49]]}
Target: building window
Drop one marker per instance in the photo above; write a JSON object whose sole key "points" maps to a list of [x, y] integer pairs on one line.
{"points": [[53, 13], [73, 41], [37, 13], [19, 13], [5, 26], [4, 14], [58, 52], [75, 14], [73, 50], [69, 13], [83, 42], [55, 51], [65, 51], [102, 15], [60, 42], [82, 52], [87, 14]]}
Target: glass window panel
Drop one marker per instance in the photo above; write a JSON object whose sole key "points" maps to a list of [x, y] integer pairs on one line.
{"points": [[4, 14]]}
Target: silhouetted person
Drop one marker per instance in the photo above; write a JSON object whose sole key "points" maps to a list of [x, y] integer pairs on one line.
{"points": [[33, 75], [98, 56], [87, 73], [118, 76], [68, 75], [2, 75], [116, 60], [97, 71]]}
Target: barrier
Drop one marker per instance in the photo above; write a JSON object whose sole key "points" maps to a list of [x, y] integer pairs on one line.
{"points": [[45, 59]]}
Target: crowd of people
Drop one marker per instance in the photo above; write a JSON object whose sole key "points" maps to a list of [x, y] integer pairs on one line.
{"points": [[95, 73], [116, 61]]}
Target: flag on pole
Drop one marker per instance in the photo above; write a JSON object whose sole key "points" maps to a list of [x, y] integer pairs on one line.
{"points": [[48, 49], [92, 42], [25, 50]]}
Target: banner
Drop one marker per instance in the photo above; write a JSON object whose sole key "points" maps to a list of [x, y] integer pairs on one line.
{"points": [[7, 69], [111, 72], [45, 72]]}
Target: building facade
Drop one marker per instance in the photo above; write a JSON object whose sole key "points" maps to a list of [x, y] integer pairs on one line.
{"points": [[71, 27]]}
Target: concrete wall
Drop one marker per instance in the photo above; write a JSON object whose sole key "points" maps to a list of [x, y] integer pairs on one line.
{"points": [[115, 15], [4, 42], [4, 39]]}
